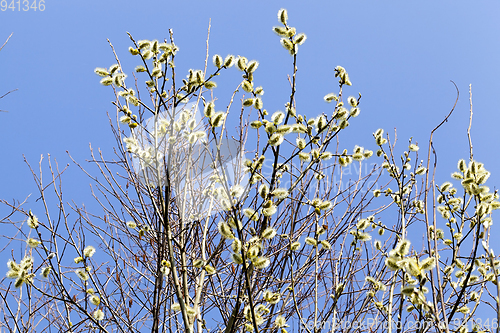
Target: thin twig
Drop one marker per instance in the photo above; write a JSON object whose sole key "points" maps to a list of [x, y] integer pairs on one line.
{"points": [[470, 122], [4, 96], [6, 41]]}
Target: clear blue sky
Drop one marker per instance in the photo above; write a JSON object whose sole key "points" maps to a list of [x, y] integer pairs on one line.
{"points": [[401, 56]]}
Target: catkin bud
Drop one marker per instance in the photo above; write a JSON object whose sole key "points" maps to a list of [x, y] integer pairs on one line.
{"points": [[321, 123], [198, 263], [276, 139], [269, 209], [176, 307], [300, 38], [352, 101], [280, 193], [392, 264], [256, 124], [295, 246], [263, 191], [325, 205], [428, 264], [144, 44], [363, 224], [311, 241], [242, 63], [330, 97], [32, 220], [106, 81], [403, 247], [285, 42], [229, 61], [261, 262], [210, 85], [114, 68], [89, 251], [217, 61], [283, 16], [304, 156], [209, 109], [473, 167], [225, 230], [343, 124], [248, 102], [236, 246], [461, 165], [413, 147], [269, 233], [237, 259], [217, 119], [445, 187], [94, 299], [251, 214], [420, 171], [258, 103], [277, 117], [45, 272], [133, 51], [33, 243], [270, 128], [247, 86], [355, 112], [325, 245], [252, 66], [209, 269], [280, 31], [101, 72], [301, 143], [315, 154]]}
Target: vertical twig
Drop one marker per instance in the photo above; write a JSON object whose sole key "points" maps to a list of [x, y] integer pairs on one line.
{"points": [[6, 41], [470, 123]]}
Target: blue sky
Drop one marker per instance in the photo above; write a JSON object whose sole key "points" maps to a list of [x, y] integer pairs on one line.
{"points": [[401, 56]]}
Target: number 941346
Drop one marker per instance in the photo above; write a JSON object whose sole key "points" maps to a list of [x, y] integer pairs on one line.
{"points": [[22, 5]]}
